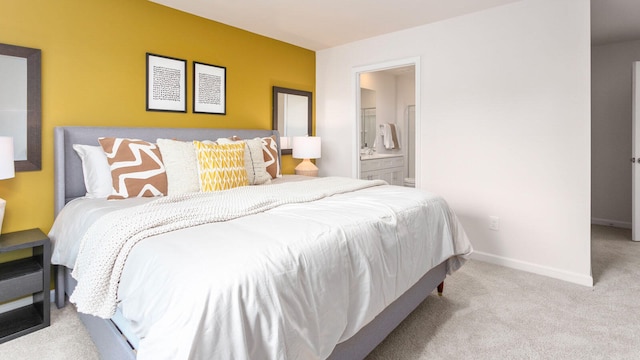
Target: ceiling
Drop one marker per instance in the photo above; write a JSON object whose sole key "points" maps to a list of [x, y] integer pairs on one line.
{"points": [[322, 24], [318, 25]]}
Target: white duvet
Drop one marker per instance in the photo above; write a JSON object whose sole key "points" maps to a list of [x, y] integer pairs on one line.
{"points": [[288, 283]]}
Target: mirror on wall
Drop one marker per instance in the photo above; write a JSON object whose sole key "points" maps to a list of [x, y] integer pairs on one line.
{"points": [[368, 128], [20, 104], [292, 111], [367, 118]]}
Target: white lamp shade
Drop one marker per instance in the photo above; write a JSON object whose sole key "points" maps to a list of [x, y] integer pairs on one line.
{"points": [[306, 147], [7, 169]]}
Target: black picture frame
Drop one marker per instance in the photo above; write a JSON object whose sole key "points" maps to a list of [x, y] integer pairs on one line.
{"points": [[209, 89], [166, 88]]}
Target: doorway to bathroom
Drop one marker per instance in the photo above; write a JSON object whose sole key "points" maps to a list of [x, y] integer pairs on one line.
{"points": [[388, 136]]}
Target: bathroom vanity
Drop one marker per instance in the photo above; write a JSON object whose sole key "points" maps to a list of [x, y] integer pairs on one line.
{"points": [[387, 167]]}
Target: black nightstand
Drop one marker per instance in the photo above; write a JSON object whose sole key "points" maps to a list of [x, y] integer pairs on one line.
{"points": [[25, 277]]}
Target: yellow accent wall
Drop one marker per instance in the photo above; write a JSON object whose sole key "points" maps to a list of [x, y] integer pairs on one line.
{"points": [[93, 73]]}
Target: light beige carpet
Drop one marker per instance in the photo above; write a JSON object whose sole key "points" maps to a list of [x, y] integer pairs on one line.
{"points": [[492, 312], [487, 312], [65, 339]]}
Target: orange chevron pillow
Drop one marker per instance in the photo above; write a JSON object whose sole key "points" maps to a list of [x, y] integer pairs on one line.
{"points": [[136, 168], [220, 166]]}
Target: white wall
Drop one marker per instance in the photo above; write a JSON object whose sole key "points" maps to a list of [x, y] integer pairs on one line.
{"points": [[504, 108], [611, 132], [405, 96]]}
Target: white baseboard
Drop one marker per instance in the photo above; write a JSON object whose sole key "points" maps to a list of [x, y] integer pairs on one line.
{"points": [[585, 280], [614, 223], [27, 300]]}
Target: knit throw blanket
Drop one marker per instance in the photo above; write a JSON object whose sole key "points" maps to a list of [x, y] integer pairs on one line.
{"points": [[105, 246]]}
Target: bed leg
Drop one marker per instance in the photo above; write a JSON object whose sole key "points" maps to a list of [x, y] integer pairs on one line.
{"points": [[59, 284], [440, 288]]}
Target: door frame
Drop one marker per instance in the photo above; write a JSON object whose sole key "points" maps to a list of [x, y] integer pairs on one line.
{"points": [[356, 72], [635, 167]]}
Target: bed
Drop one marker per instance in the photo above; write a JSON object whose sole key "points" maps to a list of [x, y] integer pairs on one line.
{"points": [[337, 302]]}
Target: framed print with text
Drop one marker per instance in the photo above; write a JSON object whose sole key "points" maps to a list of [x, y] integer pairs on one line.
{"points": [[209, 89], [166, 83]]}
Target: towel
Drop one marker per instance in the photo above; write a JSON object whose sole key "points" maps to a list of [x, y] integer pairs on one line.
{"points": [[390, 137], [394, 136], [387, 140]]}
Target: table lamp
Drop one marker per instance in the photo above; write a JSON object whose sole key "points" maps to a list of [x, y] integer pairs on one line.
{"points": [[7, 170], [306, 147]]}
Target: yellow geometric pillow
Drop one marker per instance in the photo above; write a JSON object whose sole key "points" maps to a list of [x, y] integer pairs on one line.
{"points": [[220, 166]]}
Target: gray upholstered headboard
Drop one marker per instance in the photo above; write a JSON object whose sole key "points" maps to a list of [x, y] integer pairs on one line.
{"points": [[68, 178]]}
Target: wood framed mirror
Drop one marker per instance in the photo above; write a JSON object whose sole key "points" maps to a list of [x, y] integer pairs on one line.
{"points": [[292, 115], [20, 104]]}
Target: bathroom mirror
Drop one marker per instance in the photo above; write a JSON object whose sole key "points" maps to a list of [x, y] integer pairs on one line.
{"points": [[367, 118], [20, 104], [368, 128], [292, 111]]}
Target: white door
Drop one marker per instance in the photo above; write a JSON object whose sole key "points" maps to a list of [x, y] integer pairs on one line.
{"points": [[635, 156]]}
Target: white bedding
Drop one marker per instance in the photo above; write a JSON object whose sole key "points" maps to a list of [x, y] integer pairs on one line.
{"points": [[105, 246], [288, 283], [80, 213]]}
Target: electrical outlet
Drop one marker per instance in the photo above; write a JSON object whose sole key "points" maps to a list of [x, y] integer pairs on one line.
{"points": [[494, 223]]}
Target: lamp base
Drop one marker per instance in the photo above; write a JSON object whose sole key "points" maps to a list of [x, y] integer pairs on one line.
{"points": [[3, 203], [307, 168]]}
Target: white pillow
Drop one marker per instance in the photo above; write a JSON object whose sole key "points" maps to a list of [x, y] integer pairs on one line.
{"points": [[181, 164], [95, 169], [253, 160], [254, 147]]}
